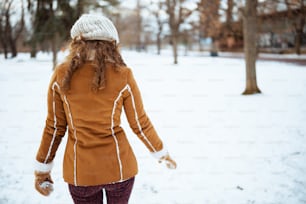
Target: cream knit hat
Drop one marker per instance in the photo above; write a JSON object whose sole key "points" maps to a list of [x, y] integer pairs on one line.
{"points": [[94, 27]]}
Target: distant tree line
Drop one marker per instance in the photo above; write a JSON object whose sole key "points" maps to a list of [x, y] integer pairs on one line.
{"points": [[228, 25], [50, 21], [160, 22]]}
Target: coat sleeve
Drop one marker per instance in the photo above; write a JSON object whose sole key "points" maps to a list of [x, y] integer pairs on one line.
{"points": [[138, 119], [54, 130]]}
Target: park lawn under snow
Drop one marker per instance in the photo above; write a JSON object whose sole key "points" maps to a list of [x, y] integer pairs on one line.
{"points": [[230, 149]]}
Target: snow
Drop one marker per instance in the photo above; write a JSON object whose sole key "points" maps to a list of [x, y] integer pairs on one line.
{"points": [[230, 149]]}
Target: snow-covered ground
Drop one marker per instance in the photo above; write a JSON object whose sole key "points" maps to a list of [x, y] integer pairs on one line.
{"points": [[230, 149]]}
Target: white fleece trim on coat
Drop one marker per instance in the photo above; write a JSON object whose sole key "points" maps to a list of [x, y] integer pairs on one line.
{"points": [[55, 122], [75, 143], [137, 120], [113, 131], [43, 167], [160, 154]]}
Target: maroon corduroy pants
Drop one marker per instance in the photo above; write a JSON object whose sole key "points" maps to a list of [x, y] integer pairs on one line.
{"points": [[116, 193]]}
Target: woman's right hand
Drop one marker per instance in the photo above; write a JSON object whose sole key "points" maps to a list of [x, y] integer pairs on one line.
{"points": [[171, 164]]}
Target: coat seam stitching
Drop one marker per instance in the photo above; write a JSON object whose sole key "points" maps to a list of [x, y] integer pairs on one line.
{"points": [[75, 143], [137, 120], [113, 131], [55, 122]]}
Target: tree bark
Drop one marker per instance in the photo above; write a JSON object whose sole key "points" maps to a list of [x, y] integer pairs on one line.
{"points": [[5, 50], [8, 27], [174, 47], [214, 48], [250, 48], [160, 25], [210, 21], [158, 42], [54, 49], [229, 12], [298, 41], [80, 8], [298, 24], [12, 33], [33, 49], [139, 27], [33, 53], [300, 29], [17, 33], [2, 38], [13, 47], [229, 20], [177, 15]]}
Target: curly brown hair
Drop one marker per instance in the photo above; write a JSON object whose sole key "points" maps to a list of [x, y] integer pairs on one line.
{"points": [[99, 52]]}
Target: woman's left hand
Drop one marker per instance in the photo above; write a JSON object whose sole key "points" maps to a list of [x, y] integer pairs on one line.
{"points": [[43, 183]]}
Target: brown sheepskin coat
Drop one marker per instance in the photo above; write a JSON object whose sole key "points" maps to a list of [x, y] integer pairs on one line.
{"points": [[97, 151]]}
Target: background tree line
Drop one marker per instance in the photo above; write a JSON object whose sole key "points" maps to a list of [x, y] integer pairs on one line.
{"points": [[248, 26]]}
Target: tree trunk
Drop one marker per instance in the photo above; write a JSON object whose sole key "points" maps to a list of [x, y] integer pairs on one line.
{"points": [[300, 30], [229, 11], [2, 41], [12, 33], [214, 48], [17, 32], [200, 38], [158, 42], [9, 38], [174, 48], [298, 24], [185, 39], [250, 39], [160, 30], [33, 50], [8, 28], [12, 45], [54, 49], [4, 46], [229, 20], [177, 16], [139, 27], [160, 27], [13, 48], [5, 51], [80, 8], [298, 41]]}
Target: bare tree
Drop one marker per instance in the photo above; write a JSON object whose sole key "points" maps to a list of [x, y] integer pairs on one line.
{"points": [[210, 22], [80, 8], [229, 12], [177, 15], [10, 33], [52, 20], [139, 27], [3, 36], [229, 17], [299, 21], [160, 24], [250, 48]]}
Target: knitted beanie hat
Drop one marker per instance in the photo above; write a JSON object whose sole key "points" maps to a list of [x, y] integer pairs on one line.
{"points": [[94, 27]]}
